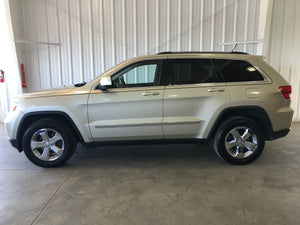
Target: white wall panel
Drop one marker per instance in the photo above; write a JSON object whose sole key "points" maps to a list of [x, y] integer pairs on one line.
{"points": [[251, 29], [53, 37], [43, 53], [64, 38], [98, 34], [283, 45], [8, 60], [30, 52], [75, 41]]}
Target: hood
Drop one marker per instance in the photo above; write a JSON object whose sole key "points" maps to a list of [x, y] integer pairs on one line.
{"points": [[48, 93]]}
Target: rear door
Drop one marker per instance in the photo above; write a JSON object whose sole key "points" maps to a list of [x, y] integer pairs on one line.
{"points": [[194, 96]]}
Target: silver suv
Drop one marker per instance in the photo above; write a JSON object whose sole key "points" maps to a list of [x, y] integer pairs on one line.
{"points": [[234, 99]]}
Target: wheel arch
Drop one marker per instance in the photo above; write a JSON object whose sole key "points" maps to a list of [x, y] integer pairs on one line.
{"points": [[31, 117], [255, 113]]}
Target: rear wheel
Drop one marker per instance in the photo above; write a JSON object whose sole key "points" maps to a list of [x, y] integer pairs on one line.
{"points": [[48, 143], [239, 140]]}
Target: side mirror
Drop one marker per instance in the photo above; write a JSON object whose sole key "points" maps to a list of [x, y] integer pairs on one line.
{"points": [[105, 82]]}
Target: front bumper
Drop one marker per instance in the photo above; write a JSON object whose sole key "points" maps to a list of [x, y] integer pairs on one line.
{"points": [[11, 123], [15, 144], [280, 133]]}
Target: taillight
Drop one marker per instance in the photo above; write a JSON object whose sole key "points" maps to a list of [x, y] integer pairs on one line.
{"points": [[286, 91]]}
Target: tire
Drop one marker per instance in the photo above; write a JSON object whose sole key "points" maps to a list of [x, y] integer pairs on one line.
{"points": [[239, 141], [48, 143]]}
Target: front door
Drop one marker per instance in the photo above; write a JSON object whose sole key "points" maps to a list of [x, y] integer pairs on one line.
{"points": [[132, 108]]}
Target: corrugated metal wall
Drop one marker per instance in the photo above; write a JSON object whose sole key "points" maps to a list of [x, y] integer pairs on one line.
{"points": [[283, 45], [8, 60], [98, 34]]}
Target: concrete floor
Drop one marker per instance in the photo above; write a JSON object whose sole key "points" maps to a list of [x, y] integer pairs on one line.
{"points": [[158, 184]]}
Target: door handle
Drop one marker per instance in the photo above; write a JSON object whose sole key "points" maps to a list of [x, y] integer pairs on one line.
{"points": [[150, 93], [216, 90], [147, 94]]}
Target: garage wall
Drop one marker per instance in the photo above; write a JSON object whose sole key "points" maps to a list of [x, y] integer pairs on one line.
{"points": [[283, 45], [8, 61], [69, 41]]}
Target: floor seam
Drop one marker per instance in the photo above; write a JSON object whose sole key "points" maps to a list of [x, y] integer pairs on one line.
{"points": [[52, 197]]}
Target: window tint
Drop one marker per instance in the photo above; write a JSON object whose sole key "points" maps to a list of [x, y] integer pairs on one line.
{"points": [[138, 75], [237, 70], [191, 71]]}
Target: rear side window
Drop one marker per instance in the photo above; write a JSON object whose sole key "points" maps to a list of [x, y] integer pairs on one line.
{"points": [[238, 71], [191, 71]]}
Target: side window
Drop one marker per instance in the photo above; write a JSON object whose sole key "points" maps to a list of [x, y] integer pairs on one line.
{"points": [[140, 74], [191, 71], [238, 71]]}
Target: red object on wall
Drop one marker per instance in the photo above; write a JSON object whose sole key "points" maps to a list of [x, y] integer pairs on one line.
{"points": [[24, 85], [1, 76]]}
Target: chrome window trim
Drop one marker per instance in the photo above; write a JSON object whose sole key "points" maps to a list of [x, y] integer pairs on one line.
{"points": [[132, 89]]}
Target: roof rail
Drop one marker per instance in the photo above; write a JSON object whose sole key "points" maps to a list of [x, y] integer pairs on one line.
{"points": [[162, 53]]}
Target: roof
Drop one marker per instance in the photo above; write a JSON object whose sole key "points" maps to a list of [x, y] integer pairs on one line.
{"points": [[190, 52]]}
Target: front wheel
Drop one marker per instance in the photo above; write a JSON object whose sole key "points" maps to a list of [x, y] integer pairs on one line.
{"points": [[48, 143], [239, 140]]}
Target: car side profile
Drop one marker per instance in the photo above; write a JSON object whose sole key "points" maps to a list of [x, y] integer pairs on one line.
{"points": [[235, 99]]}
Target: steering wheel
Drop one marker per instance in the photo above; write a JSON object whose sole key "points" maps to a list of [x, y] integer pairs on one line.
{"points": [[122, 82]]}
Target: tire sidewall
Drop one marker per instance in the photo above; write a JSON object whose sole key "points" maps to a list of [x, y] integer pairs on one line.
{"points": [[231, 124], [58, 126]]}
